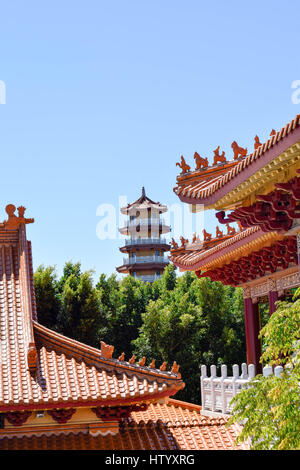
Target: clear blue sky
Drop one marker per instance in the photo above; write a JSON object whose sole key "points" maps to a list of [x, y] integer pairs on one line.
{"points": [[104, 96]]}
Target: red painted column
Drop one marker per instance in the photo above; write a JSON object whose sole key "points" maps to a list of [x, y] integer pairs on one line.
{"points": [[273, 297], [252, 327]]}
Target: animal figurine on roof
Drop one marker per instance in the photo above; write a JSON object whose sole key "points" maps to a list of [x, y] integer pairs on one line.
{"points": [[200, 161], [219, 233], [257, 143], [240, 225], [183, 241], [219, 158], [207, 236], [174, 245], [230, 230], [273, 132], [238, 151], [183, 165], [106, 350]]}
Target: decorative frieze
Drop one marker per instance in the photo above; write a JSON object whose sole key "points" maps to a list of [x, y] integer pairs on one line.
{"points": [[62, 416], [118, 413], [279, 285], [17, 418]]}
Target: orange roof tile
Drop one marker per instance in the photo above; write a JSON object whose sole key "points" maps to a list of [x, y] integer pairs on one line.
{"points": [[206, 189], [193, 260], [42, 369], [172, 426]]}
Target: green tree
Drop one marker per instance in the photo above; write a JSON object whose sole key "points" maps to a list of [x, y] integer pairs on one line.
{"points": [[80, 314], [47, 296], [270, 406]]}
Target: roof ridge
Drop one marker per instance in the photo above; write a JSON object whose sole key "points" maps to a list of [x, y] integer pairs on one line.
{"points": [[73, 346], [215, 184]]}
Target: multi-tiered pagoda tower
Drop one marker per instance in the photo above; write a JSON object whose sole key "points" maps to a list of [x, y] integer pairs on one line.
{"points": [[146, 246]]}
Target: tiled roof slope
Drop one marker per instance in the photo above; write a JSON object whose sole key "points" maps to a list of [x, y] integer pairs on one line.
{"points": [[42, 369], [208, 191], [172, 426], [238, 245]]}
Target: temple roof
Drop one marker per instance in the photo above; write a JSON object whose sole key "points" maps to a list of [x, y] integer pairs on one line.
{"points": [[142, 203], [173, 425], [42, 369], [225, 184], [194, 257]]}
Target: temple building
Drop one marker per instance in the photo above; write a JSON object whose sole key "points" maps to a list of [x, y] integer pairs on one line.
{"points": [[260, 191], [57, 393], [146, 246]]}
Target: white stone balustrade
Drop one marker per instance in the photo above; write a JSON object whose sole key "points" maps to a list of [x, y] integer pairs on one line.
{"points": [[217, 392]]}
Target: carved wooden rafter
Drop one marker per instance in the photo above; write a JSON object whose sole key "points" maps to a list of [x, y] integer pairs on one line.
{"points": [[117, 413], [267, 260], [17, 418], [272, 212], [62, 416]]}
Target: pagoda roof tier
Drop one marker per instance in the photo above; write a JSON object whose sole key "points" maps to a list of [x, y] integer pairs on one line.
{"points": [[195, 257], [229, 184], [174, 425], [42, 369], [142, 227], [143, 203], [130, 265], [145, 244]]}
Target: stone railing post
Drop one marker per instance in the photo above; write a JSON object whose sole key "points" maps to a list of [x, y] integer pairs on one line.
{"points": [[213, 375], [223, 397], [203, 376], [267, 371]]}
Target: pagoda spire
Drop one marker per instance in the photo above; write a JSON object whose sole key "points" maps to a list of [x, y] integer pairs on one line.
{"points": [[143, 192]]}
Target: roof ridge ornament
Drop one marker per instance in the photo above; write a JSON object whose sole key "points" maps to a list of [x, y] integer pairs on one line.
{"points": [[13, 222], [106, 350], [238, 151], [200, 161], [219, 158], [183, 165], [257, 142]]}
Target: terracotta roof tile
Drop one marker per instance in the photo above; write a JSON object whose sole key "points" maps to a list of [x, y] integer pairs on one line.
{"points": [[201, 191], [65, 371], [193, 259], [172, 426], [42, 369]]}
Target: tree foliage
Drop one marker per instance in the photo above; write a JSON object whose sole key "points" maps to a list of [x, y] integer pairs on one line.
{"points": [[270, 406]]}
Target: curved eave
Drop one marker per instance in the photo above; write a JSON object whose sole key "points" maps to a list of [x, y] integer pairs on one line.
{"points": [[64, 364], [92, 355], [214, 193], [126, 268], [144, 229], [142, 207], [234, 248], [145, 246]]}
